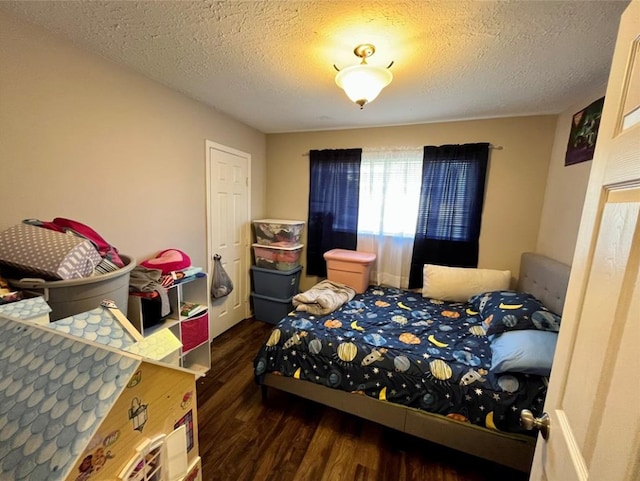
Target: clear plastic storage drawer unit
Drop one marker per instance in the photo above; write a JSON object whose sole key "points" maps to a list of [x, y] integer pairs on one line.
{"points": [[278, 232], [278, 258]]}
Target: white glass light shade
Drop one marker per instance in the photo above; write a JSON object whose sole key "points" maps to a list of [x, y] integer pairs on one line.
{"points": [[362, 83]]}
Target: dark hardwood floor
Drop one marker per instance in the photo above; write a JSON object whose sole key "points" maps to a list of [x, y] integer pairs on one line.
{"points": [[289, 438]]}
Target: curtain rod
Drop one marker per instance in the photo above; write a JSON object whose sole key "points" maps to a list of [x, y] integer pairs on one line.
{"points": [[491, 146]]}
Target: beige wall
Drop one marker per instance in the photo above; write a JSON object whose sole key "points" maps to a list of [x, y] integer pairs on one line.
{"points": [[515, 185], [566, 188], [84, 138]]}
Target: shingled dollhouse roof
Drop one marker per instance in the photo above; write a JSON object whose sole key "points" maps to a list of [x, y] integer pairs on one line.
{"points": [[98, 325], [103, 326], [55, 391], [26, 309]]}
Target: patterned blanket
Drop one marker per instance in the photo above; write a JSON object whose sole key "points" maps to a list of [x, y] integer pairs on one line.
{"points": [[399, 347]]}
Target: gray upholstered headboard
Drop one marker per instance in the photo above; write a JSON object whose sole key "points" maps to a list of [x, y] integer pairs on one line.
{"points": [[545, 278]]}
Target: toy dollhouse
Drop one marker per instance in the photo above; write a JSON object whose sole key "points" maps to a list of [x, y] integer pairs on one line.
{"points": [[94, 405]]}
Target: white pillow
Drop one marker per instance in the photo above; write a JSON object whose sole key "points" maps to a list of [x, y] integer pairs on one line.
{"points": [[460, 283]]}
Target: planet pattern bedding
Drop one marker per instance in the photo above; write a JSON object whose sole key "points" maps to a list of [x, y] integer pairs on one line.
{"points": [[399, 347]]}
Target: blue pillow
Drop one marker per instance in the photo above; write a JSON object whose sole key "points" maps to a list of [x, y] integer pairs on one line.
{"points": [[528, 351], [503, 311]]}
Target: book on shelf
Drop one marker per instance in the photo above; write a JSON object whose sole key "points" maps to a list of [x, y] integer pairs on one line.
{"points": [[189, 309]]}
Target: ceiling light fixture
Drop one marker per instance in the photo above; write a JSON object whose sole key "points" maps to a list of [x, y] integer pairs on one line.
{"points": [[362, 83]]}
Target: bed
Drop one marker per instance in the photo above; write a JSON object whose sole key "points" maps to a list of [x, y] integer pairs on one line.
{"points": [[422, 365]]}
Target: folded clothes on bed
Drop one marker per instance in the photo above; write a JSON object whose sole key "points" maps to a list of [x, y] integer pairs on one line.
{"points": [[323, 298]]}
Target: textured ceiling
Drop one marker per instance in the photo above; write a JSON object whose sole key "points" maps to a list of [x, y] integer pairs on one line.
{"points": [[269, 64]]}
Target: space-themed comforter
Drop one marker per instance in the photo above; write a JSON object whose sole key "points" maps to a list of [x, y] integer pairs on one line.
{"points": [[397, 346]]}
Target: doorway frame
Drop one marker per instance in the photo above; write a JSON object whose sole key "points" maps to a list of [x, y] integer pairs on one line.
{"points": [[246, 231]]}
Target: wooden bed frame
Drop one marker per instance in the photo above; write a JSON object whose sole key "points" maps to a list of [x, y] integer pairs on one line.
{"points": [[541, 276]]}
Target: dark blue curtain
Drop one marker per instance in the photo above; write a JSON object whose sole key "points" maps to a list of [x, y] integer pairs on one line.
{"points": [[334, 190], [448, 229]]}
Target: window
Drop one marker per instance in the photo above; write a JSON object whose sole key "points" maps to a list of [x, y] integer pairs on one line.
{"points": [[159, 458], [390, 183], [147, 464], [448, 202], [450, 212], [334, 177], [409, 206]]}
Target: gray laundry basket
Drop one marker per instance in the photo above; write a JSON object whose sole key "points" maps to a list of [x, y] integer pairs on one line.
{"points": [[73, 296]]}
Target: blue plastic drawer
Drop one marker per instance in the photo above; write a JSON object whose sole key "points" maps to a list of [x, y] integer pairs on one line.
{"points": [[270, 309], [276, 284]]}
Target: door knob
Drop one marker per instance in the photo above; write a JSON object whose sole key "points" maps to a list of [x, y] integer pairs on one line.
{"points": [[529, 422]]}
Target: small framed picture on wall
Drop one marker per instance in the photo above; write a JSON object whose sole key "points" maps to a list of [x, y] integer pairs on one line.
{"points": [[584, 133]]}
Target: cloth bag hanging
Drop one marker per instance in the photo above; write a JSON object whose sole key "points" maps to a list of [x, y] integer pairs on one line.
{"points": [[221, 284]]}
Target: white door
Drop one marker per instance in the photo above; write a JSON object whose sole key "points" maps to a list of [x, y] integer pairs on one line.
{"points": [[594, 396], [228, 231]]}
